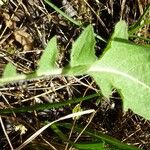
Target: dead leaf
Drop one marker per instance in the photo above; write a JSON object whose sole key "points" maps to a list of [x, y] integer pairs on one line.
{"points": [[10, 23], [21, 128], [24, 39]]}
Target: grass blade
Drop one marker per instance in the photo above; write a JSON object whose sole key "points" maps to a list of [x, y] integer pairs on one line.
{"points": [[101, 136], [62, 13], [39, 107], [49, 124]]}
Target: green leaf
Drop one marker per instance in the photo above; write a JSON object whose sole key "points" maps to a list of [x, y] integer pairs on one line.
{"points": [[77, 70], [10, 75], [10, 70], [126, 67], [90, 146], [121, 31], [83, 52], [48, 58], [98, 136]]}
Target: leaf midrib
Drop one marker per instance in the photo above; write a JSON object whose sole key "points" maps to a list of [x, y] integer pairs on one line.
{"points": [[117, 72]]}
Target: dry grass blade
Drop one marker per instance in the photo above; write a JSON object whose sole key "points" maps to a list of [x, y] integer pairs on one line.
{"points": [[90, 119], [46, 126], [122, 8]]}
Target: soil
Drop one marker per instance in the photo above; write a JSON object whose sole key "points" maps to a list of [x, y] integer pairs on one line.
{"points": [[25, 29]]}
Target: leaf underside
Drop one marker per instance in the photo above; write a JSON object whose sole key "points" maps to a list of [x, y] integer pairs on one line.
{"points": [[126, 67], [10, 70], [123, 66], [83, 52], [48, 58]]}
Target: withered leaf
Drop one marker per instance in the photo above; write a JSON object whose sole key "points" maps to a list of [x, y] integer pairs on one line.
{"points": [[10, 23], [24, 39]]}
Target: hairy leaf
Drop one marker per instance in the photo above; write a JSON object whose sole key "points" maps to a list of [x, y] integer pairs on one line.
{"points": [[10, 70], [48, 58], [83, 52], [123, 66], [10, 75], [126, 67]]}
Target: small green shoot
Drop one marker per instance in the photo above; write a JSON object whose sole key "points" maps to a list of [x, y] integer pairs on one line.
{"points": [[77, 108]]}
